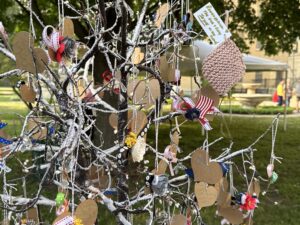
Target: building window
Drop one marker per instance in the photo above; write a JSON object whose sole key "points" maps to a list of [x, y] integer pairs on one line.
{"points": [[258, 77]]}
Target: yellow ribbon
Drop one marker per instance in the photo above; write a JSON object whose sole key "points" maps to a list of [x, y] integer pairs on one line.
{"points": [[78, 221], [130, 140]]}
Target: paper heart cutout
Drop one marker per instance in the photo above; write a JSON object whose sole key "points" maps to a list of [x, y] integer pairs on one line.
{"points": [[161, 14], [167, 70], [254, 187], [136, 121], [32, 215], [27, 93], [39, 132], [178, 220], [97, 177], [87, 212], [205, 171], [224, 197], [140, 93], [146, 93], [233, 215], [68, 28], [113, 120], [28, 58], [206, 195], [161, 168], [132, 83], [137, 56]]}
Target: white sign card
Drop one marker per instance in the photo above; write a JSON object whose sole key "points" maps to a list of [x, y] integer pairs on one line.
{"points": [[212, 24]]}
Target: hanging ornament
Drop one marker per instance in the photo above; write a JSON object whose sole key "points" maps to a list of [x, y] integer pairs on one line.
{"points": [[274, 177], [246, 201], [224, 67], [157, 183], [198, 111], [270, 169], [58, 46], [139, 149]]}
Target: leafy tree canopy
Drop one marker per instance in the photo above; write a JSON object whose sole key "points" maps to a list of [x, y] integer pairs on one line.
{"points": [[276, 24]]}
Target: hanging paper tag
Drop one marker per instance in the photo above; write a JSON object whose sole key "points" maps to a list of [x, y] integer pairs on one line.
{"points": [[177, 75], [4, 167], [212, 24]]}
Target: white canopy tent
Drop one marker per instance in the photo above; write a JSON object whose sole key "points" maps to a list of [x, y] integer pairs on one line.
{"points": [[253, 63]]}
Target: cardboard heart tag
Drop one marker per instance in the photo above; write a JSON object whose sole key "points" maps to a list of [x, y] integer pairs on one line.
{"points": [[254, 187], [137, 56], [137, 120], [233, 215], [27, 93], [28, 58], [140, 93], [154, 89], [98, 177], [68, 28], [132, 83], [167, 70], [32, 215], [87, 212], [205, 171], [81, 89], [206, 195], [161, 168], [39, 132], [113, 120], [224, 197], [161, 14], [178, 220]]}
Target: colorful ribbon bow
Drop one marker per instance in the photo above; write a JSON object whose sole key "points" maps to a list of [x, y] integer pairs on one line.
{"points": [[246, 201], [198, 111], [54, 41]]}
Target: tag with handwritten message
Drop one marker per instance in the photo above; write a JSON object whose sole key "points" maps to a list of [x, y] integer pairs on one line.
{"points": [[212, 24]]}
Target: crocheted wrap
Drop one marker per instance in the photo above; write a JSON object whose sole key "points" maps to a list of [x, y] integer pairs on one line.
{"points": [[224, 67]]}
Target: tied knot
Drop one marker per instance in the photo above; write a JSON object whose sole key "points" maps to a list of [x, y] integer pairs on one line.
{"points": [[192, 113]]}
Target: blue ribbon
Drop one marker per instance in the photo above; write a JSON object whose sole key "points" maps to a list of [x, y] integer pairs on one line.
{"points": [[3, 140]]}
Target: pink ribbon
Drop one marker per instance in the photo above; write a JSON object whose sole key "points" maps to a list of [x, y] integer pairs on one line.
{"points": [[68, 220], [171, 157]]}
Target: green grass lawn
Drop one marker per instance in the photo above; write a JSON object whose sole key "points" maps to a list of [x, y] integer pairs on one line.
{"points": [[243, 131]]}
